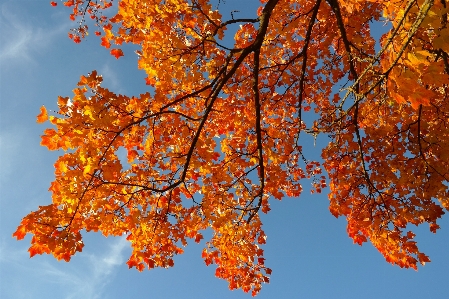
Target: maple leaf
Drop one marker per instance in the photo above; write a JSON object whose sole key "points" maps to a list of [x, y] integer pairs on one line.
{"points": [[386, 158], [105, 43], [20, 232], [53, 3], [150, 81], [43, 116]]}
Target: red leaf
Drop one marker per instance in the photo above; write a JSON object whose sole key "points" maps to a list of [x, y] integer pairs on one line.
{"points": [[53, 3], [117, 53], [434, 227], [105, 42], [198, 238], [150, 81], [170, 263]]}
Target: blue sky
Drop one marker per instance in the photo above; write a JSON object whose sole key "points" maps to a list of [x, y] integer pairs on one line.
{"points": [[307, 248]]}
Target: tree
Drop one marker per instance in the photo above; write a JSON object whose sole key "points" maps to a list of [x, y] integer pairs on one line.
{"points": [[218, 135]]}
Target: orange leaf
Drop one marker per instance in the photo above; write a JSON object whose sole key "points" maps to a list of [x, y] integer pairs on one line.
{"points": [[105, 42], [150, 81], [20, 232], [117, 53], [180, 179], [43, 116]]}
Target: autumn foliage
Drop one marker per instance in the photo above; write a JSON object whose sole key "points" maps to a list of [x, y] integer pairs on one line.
{"points": [[218, 135]]}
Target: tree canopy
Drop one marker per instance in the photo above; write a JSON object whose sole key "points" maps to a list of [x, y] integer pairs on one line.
{"points": [[218, 134]]}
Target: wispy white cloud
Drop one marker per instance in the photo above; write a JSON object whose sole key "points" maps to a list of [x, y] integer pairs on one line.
{"points": [[92, 286], [88, 280], [19, 39], [111, 80], [103, 266], [9, 143]]}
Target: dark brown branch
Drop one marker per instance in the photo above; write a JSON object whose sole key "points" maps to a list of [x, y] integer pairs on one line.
{"points": [[216, 85], [341, 27], [421, 153], [257, 110], [304, 61]]}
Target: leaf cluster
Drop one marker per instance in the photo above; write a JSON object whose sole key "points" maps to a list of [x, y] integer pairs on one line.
{"points": [[219, 137]]}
